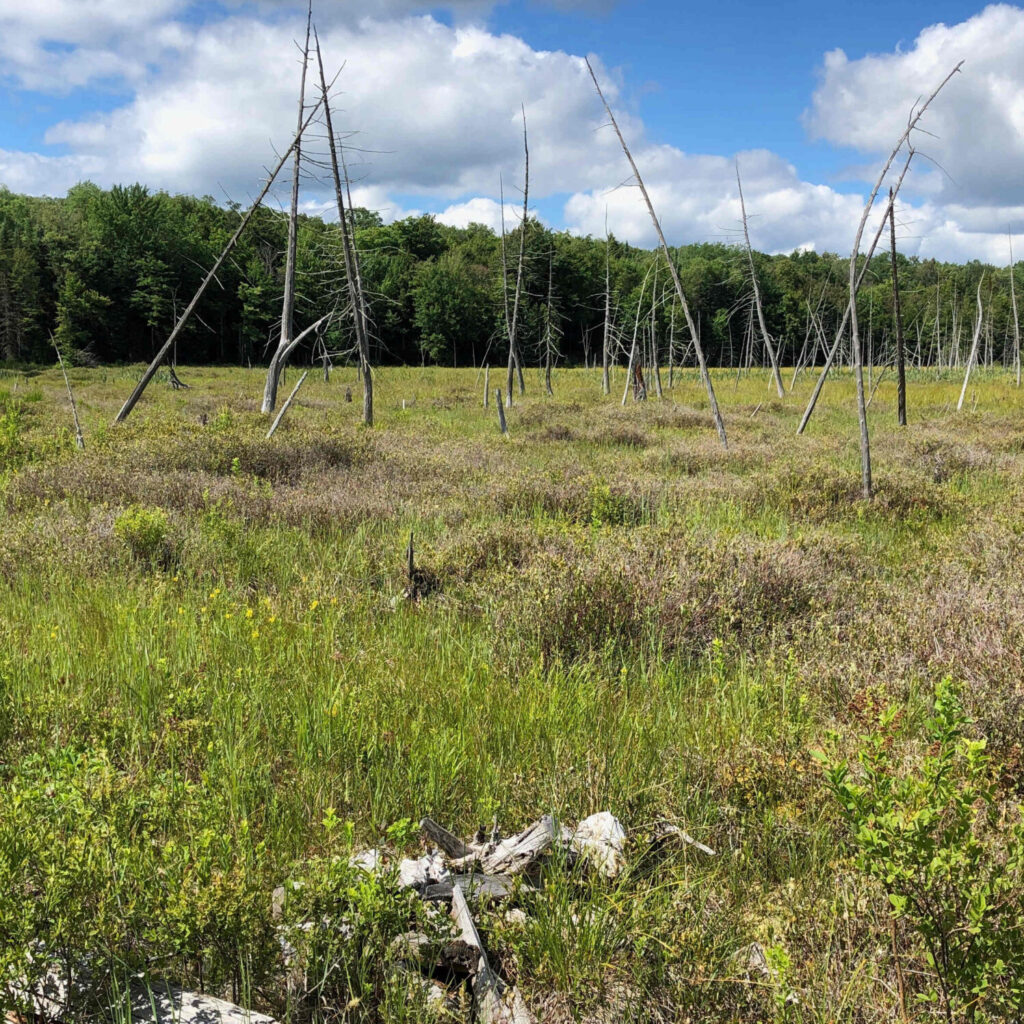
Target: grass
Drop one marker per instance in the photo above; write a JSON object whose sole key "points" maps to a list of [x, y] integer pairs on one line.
{"points": [[210, 681]]}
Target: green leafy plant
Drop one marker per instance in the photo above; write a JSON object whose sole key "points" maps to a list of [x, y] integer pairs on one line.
{"points": [[935, 837], [145, 531]]}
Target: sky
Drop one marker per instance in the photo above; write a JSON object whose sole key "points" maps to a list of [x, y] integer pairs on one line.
{"points": [[196, 96]]}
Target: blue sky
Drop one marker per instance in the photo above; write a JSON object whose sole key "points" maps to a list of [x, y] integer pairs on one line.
{"points": [[192, 96]]}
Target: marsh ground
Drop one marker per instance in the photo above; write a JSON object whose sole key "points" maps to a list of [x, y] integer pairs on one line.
{"points": [[211, 682]]}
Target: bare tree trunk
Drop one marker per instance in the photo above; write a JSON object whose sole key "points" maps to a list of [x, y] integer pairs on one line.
{"points": [[901, 370], [232, 241], [79, 440], [487, 384], [287, 405], [655, 371], [288, 302], [502, 424], [606, 384], [631, 369], [1016, 320], [514, 356], [705, 376], [548, 338], [974, 349], [355, 294], [769, 348], [831, 355]]}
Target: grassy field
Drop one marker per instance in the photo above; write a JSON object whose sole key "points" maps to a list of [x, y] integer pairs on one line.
{"points": [[211, 680]]}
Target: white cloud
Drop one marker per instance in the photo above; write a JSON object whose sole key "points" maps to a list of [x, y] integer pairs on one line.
{"points": [[436, 113], [976, 122], [479, 210]]}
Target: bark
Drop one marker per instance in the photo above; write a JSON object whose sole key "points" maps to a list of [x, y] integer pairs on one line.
{"points": [[705, 376]]}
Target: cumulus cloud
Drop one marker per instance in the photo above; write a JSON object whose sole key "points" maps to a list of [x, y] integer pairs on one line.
{"points": [[976, 124], [435, 114]]}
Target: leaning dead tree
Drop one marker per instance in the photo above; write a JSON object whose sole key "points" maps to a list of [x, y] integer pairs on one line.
{"points": [[514, 356], [79, 440], [705, 376], [901, 369], [356, 300], [973, 357], [854, 282], [288, 301], [765, 336], [134, 397]]}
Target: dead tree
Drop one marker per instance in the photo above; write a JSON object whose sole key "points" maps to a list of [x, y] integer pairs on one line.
{"points": [[514, 357], [972, 358], [79, 440], [901, 370], [351, 277], [854, 282], [287, 405], [232, 241], [705, 376], [1016, 320], [606, 355], [765, 337], [288, 301], [550, 349], [634, 375]]}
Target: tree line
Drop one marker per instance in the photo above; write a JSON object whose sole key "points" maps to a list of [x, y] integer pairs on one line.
{"points": [[106, 273]]}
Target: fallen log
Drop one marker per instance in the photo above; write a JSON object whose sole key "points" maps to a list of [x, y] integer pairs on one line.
{"points": [[494, 1002]]}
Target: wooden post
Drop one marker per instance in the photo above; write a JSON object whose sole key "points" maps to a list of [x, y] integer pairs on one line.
{"points": [[502, 423]]}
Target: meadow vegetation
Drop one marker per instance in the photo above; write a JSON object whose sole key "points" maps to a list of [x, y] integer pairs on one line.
{"points": [[212, 684]]}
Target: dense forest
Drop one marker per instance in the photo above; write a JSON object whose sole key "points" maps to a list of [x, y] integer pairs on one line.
{"points": [[108, 272]]}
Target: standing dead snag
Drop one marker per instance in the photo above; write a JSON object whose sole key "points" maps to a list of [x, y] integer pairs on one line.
{"points": [[348, 246], [972, 358], [502, 424], [1016, 320], [854, 281], [705, 376], [232, 241], [901, 370], [288, 301], [514, 356], [765, 337], [606, 354]]}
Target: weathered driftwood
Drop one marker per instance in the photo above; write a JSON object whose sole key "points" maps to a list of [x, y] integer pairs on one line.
{"points": [[518, 852], [478, 884], [167, 1004], [494, 1002], [438, 835], [427, 870], [665, 833], [601, 841]]}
